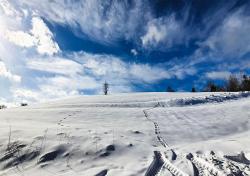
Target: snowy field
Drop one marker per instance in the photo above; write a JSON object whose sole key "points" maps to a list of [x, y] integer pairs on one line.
{"points": [[128, 135]]}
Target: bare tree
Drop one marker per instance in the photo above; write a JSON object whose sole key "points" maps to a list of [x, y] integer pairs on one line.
{"points": [[233, 84], [105, 88]]}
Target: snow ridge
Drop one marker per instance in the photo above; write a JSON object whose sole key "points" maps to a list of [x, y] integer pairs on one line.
{"points": [[178, 102], [207, 99]]}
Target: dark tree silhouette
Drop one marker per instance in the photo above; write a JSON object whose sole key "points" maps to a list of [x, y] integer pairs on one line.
{"points": [[245, 84], [233, 84], [211, 87], [170, 89], [3, 106], [193, 89], [105, 88], [24, 104]]}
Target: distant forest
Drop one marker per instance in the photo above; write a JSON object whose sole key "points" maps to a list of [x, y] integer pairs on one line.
{"points": [[232, 84]]}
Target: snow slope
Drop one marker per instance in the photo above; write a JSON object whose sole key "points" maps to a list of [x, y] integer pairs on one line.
{"points": [[129, 134]]}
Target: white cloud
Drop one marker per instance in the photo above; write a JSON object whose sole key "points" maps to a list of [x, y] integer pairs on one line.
{"points": [[134, 52], [182, 71], [39, 37], [95, 67], [12, 16], [55, 65], [43, 37], [107, 22], [22, 94], [75, 83], [154, 35], [104, 23], [54, 87], [222, 75], [146, 73], [8, 9], [87, 72], [3, 101], [103, 65], [100, 20], [113, 68], [20, 38], [4, 72], [231, 39], [164, 31]]}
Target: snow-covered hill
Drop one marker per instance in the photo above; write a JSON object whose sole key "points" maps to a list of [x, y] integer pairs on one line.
{"points": [[129, 135]]}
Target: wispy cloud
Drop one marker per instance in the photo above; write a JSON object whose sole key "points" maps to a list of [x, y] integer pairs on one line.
{"points": [[215, 75], [104, 21], [231, 39], [55, 65], [162, 32], [5, 73]]}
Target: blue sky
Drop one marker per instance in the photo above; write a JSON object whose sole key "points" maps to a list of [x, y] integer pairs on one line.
{"points": [[55, 49]]}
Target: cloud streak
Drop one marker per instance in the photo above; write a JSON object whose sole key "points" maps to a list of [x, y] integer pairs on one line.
{"points": [[231, 39], [5, 73], [55, 65], [218, 75]]}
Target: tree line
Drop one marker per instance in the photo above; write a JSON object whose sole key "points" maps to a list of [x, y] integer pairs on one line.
{"points": [[232, 84]]}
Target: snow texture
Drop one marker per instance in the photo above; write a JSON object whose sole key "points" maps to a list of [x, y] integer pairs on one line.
{"points": [[148, 134]]}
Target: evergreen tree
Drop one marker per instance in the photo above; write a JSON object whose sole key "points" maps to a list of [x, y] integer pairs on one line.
{"points": [[193, 89], [211, 87], [245, 84], [170, 89]]}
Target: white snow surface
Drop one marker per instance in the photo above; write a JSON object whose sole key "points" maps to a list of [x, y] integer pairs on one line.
{"points": [[71, 136]]}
